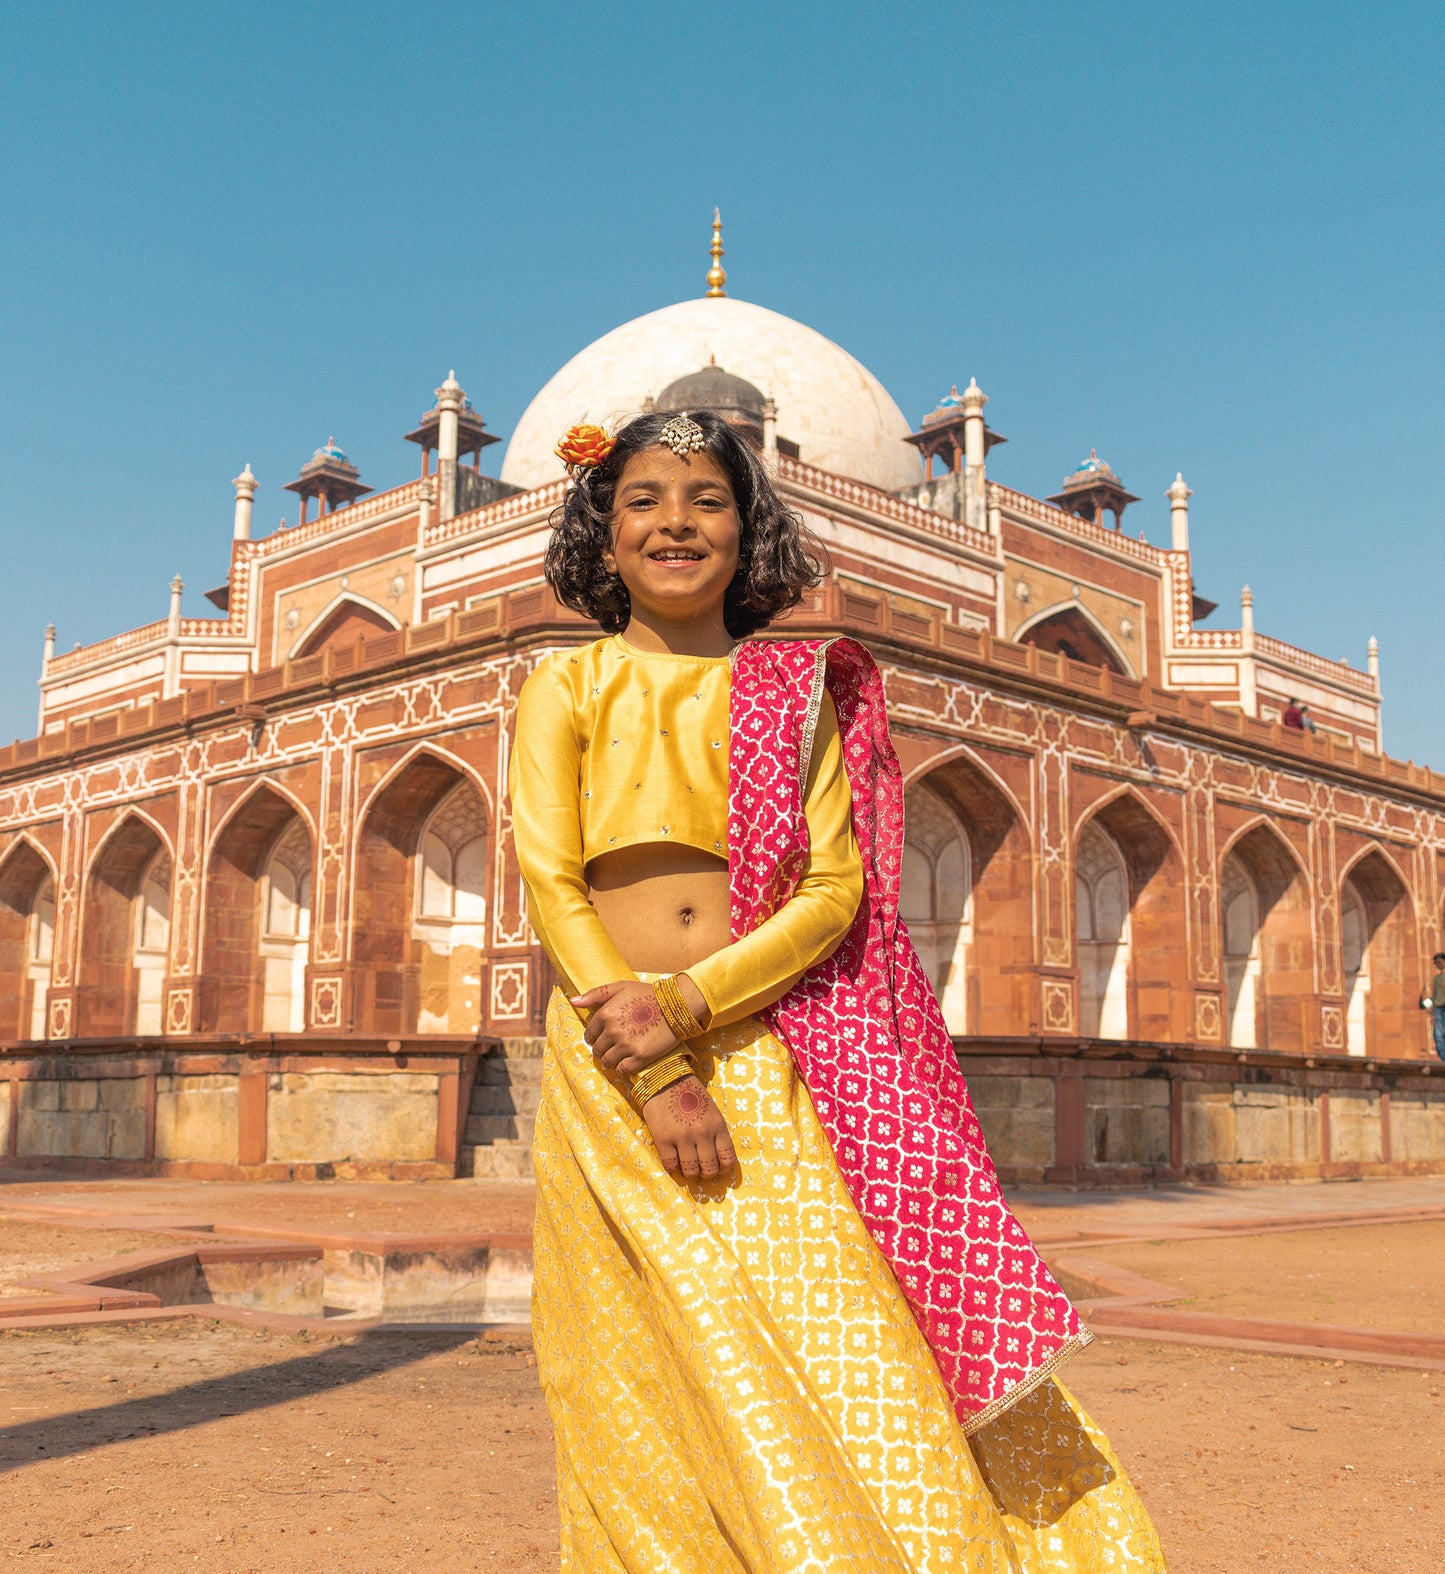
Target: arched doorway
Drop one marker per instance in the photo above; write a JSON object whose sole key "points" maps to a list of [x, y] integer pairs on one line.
{"points": [[1377, 956], [451, 912], [1239, 905], [967, 896], [125, 934], [152, 949], [1101, 898], [1355, 964], [1267, 934], [257, 918], [935, 898], [423, 853], [40, 955], [286, 929], [1130, 926], [27, 941]]}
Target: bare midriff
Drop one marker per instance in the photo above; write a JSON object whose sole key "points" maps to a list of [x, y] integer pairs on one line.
{"points": [[665, 906]]}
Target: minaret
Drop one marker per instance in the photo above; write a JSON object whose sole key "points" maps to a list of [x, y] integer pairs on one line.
{"points": [[770, 436], [975, 451], [174, 621], [1372, 662], [1248, 694], [44, 665], [453, 428], [1179, 496], [717, 279], [450, 400], [245, 485]]}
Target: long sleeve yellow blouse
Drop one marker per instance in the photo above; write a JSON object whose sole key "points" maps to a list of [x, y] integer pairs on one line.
{"points": [[615, 747]]}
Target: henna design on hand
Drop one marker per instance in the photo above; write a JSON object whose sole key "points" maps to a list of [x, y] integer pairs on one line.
{"points": [[687, 1102], [642, 1013]]}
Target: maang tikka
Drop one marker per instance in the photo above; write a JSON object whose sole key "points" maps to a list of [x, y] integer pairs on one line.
{"points": [[683, 436]]}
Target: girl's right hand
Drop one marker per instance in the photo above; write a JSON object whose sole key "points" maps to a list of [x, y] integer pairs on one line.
{"points": [[691, 1136]]}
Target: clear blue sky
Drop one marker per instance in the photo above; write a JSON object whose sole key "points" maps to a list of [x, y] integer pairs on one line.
{"points": [[1205, 238]]}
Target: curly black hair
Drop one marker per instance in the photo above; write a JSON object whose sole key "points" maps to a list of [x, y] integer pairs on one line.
{"points": [[778, 556]]}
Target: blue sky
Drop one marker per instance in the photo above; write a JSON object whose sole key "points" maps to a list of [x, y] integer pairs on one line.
{"points": [[1202, 238]]}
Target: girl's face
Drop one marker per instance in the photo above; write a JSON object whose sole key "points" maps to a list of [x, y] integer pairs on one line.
{"points": [[675, 535]]}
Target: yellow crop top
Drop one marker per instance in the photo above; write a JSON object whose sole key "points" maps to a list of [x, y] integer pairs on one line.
{"points": [[616, 746]]}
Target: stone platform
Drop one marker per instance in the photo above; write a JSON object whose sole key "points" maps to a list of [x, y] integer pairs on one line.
{"points": [[1077, 1112]]}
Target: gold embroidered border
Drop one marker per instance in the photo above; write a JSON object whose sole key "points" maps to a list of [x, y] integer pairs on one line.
{"points": [[996, 1407], [810, 721]]}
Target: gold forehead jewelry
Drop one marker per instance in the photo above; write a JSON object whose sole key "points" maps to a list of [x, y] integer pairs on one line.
{"points": [[683, 436]]}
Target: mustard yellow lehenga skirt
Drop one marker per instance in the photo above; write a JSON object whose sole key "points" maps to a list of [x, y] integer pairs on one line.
{"points": [[736, 1381]]}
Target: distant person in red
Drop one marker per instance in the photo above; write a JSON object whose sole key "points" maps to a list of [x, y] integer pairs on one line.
{"points": [[1293, 716]]}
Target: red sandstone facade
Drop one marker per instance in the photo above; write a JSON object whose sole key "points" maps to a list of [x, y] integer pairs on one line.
{"points": [[260, 912]]}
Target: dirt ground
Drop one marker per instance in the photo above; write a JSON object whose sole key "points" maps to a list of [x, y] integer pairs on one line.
{"points": [[495, 1207], [233, 1452], [216, 1448], [197, 1445], [28, 1248], [1384, 1276]]}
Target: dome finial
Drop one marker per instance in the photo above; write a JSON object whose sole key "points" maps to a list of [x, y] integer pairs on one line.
{"points": [[717, 279]]}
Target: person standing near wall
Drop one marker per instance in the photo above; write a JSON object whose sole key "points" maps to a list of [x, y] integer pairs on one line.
{"points": [[1434, 1002]]}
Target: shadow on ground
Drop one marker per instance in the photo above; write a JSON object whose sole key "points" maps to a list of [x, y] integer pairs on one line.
{"points": [[237, 1393]]}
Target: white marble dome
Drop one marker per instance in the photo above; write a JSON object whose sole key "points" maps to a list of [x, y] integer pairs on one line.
{"points": [[835, 410]]}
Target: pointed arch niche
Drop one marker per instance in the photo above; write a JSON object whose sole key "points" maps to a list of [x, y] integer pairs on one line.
{"points": [[257, 920], [936, 899], [1377, 946], [1101, 903], [1130, 927], [967, 896], [125, 934], [348, 620], [423, 862], [1268, 944], [27, 940], [1069, 630]]}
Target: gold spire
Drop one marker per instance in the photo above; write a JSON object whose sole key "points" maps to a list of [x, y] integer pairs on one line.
{"points": [[717, 279]]}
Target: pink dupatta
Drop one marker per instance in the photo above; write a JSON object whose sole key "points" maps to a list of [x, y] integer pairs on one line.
{"points": [[868, 1037]]}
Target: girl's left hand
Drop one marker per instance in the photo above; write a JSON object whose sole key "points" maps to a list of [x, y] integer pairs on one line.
{"points": [[627, 1030]]}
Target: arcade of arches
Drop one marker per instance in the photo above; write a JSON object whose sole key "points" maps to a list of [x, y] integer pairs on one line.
{"points": [[425, 858], [319, 961]]}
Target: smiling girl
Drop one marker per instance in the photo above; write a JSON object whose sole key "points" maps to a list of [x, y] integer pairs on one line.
{"points": [[784, 1319]]}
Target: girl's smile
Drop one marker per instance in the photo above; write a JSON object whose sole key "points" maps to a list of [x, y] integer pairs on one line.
{"points": [[675, 541]]}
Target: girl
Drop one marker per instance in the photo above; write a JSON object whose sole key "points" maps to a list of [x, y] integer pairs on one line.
{"points": [[784, 1319]]}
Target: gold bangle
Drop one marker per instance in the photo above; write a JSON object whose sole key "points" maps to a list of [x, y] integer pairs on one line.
{"points": [[675, 1010], [651, 1080]]}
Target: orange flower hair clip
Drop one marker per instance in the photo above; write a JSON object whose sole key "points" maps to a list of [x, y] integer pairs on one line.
{"points": [[584, 446]]}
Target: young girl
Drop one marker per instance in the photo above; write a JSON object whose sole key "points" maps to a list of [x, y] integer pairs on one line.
{"points": [[784, 1319]]}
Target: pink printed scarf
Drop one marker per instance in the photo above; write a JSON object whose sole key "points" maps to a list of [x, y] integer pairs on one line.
{"points": [[869, 1038]]}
